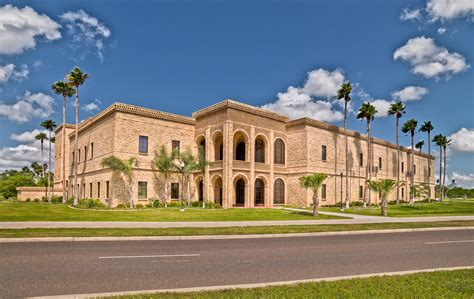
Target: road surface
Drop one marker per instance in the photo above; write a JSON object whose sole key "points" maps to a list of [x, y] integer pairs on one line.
{"points": [[60, 268]]}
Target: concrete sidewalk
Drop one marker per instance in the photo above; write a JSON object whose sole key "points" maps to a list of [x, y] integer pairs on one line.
{"points": [[124, 224]]}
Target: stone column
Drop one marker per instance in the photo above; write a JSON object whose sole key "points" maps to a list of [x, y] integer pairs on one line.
{"points": [[227, 164], [269, 201], [207, 182], [250, 201]]}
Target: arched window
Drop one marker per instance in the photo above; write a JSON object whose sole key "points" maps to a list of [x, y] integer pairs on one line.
{"points": [[240, 193], [240, 151], [279, 192], [259, 150], [259, 192], [218, 147], [279, 152]]}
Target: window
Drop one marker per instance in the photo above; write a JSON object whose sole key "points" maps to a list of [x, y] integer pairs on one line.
{"points": [[380, 163], [79, 156], [323, 191], [142, 190], [175, 145], [259, 150], [279, 192], [174, 191], [414, 168], [90, 190], [361, 159], [240, 151], [323, 153], [279, 152], [83, 193], [361, 192], [72, 158], [85, 153], [143, 144], [259, 192], [403, 192], [107, 194], [67, 183], [403, 167], [92, 150], [98, 189]]}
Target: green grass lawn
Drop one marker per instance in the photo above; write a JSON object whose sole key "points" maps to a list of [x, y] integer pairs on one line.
{"points": [[440, 284], [58, 212], [446, 208], [192, 231]]}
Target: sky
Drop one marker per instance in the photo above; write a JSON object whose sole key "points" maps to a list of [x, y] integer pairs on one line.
{"points": [[285, 56]]}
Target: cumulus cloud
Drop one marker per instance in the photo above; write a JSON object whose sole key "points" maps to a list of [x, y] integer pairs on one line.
{"points": [[16, 157], [446, 10], [442, 30], [88, 33], [21, 28], [12, 72], [410, 14], [381, 106], [316, 99], [93, 106], [429, 60], [410, 93], [462, 141], [464, 180], [27, 107], [28, 136]]}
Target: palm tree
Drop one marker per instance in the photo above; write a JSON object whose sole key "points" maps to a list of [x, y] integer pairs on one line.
{"points": [[189, 164], [344, 93], [397, 109], [123, 167], [446, 142], [74, 79], [42, 137], [427, 127], [383, 187], [410, 127], [201, 167], [313, 182], [49, 125], [438, 140], [367, 111], [419, 146], [163, 162], [62, 88]]}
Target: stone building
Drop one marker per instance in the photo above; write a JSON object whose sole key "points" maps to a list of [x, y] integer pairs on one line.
{"points": [[255, 156]]}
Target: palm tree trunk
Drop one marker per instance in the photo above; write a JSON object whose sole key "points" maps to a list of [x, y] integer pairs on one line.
{"points": [[347, 154], [444, 169], [76, 158], [63, 150], [315, 203], [42, 165], [383, 206], [429, 167], [412, 178], [368, 174], [398, 162], [440, 172], [166, 191], [49, 169], [188, 189], [131, 195]]}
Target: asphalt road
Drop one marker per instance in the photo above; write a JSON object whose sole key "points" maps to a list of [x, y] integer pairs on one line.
{"points": [[59, 268]]}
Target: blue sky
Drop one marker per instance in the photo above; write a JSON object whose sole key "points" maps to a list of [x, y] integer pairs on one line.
{"points": [[180, 56]]}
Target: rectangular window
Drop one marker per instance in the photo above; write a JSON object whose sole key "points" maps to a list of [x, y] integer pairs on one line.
{"points": [[85, 153], [380, 163], [107, 194], [90, 190], [403, 167], [361, 192], [414, 168], [92, 150], [403, 192], [361, 159], [142, 190], [79, 156], [323, 153], [83, 193], [175, 145], [98, 189], [72, 158], [323, 191], [143, 144], [67, 183], [174, 191]]}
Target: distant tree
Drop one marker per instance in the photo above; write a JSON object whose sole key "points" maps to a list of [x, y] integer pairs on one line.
{"points": [[188, 164], [49, 125], [446, 142], [383, 187], [42, 137], [398, 110], [313, 182], [344, 93], [10, 180], [410, 128], [427, 128], [123, 167], [438, 140]]}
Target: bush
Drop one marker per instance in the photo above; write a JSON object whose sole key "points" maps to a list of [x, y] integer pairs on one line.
{"points": [[122, 206], [89, 203], [2, 198], [36, 200], [154, 202], [139, 206], [28, 199], [57, 199], [44, 199]]}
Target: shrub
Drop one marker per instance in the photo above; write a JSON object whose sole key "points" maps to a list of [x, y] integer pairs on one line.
{"points": [[36, 200], [89, 203], [122, 206], [139, 206], [44, 199], [2, 198], [154, 202], [28, 199], [57, 199]]}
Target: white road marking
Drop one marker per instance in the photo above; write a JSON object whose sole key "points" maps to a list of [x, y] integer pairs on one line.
{"points": [[448, 242], [148, 256]]}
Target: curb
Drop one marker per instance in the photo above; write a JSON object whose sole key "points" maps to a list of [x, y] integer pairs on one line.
{"points": [[229, 237], [251, 286]]}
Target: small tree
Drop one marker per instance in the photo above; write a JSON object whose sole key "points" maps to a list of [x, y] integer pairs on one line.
{"points": [[163, 162], [383, 188], [123, 167], [313, 182]]}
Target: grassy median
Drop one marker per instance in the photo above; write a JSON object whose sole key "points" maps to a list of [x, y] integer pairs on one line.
{"points": [[191, 231], [439, 284]]}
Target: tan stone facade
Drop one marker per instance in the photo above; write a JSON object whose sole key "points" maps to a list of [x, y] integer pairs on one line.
{"points": [[256, 156]]}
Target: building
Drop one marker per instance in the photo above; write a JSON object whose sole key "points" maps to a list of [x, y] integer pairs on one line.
{"points": [[256, 156]]}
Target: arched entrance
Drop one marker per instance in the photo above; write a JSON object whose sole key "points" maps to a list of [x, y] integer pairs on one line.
{"points": [[259, 192], [240, 193], [217, 186], [279, 192], [201, 190]]}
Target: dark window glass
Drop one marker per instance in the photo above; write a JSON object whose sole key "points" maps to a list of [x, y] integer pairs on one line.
{"points": [[98, 189], [380, 162], [361, 159], [403, 167], [259, 151], [279, 192], [79, 156], [414, 168], [221, 152], [90, 190], [85, 153], [174, 191], [279, 152], [323, 153], [107, 194], [240, 151], [361, 192], [143, 144], [175, 145], [240, 192], [259, 192], [403, 192], [92, 150], [142, 190], [323, 191]]}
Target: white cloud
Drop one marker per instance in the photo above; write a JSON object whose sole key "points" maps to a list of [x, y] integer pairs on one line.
{"points": [[28, 136], [381, 106], [429, 60], [87, 31], [410, 14], [462, 140], [12, 72], [38, 64], [20, 29], [442, 30], [22, 155], [303, 102], [464, 180], [446, 10], [27, 107], [93, 106], [410, 93]]}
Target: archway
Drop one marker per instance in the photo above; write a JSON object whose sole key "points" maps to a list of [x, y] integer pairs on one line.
{"points": [[218, 146], [240, 145], [279, 192], [259, 192], [240, 192], [260, 149], [217, 187]]}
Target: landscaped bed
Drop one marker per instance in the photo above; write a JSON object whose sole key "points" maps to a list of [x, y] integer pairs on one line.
{"points": [[59, 212]]}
